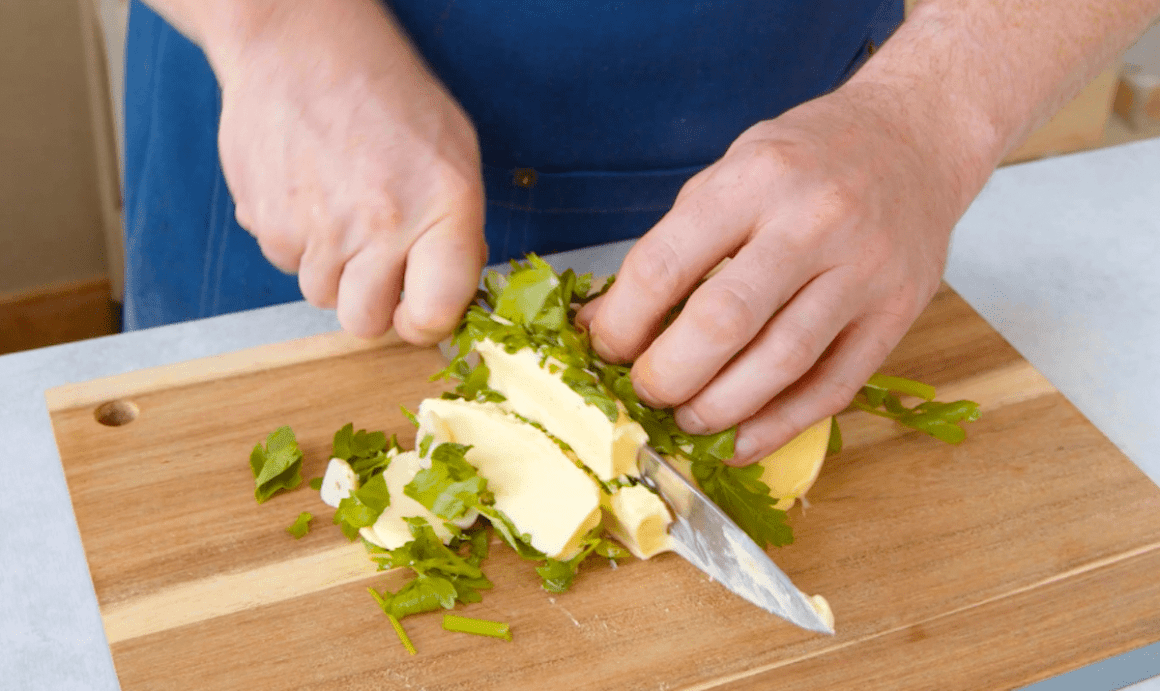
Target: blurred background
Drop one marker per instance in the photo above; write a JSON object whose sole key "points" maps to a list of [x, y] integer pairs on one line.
{"points": [[61, 80]]}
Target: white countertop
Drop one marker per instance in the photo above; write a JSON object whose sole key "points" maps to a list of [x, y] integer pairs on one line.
{"points": [[1062, 256]]}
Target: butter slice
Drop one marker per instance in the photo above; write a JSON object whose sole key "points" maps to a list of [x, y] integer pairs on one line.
{"points": [[535, 484], [792, 470], [639, 520], [390, 530], [607, 448]]}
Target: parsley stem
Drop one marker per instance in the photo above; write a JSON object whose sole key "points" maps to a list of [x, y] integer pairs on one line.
{"points": [[403, 637], [402, 634], [479, 627], [901, 385], [872, 410]]}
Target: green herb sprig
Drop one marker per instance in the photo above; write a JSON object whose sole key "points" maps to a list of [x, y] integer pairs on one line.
{"points": [[880, 396], [367, 453], [276, 466], [443, 576]]}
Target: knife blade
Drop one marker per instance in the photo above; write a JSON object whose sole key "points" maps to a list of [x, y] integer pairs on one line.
{"points": [[711, 541]]}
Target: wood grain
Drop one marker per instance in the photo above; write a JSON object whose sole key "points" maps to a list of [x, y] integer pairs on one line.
{"points": [[1021, 553]]}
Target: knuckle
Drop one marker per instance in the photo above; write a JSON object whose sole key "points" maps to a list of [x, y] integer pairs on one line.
{"points": [[768, 159], [795, 351], [281, 253], [317, 287], [655, 390], [837, 201], [655, 269], [841, 195], [461, 186], [382, 212], [244, 217], [724, 313], [430, 320]]}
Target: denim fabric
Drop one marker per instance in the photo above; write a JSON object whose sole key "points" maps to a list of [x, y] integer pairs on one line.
{"points": [[591, 115]]}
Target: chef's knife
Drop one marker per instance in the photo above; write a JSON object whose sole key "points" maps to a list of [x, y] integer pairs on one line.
{"points": [[711, 541]]}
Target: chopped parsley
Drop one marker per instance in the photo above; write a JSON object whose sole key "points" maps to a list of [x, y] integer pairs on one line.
{"points": [[367, 453], [443, 575], [451, 486], [558, 574], [301, 525], [363, 507], [277, 466]]}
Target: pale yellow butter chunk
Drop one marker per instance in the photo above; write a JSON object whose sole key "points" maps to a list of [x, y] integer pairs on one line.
{"points": [[540, 395], [639, 520], [822, 607], [792, 470], [535, 484], [390, 530]]}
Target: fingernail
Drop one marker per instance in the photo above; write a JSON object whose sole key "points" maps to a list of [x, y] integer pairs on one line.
{"points": [[743, 450], [691, 422], [598, 343]]}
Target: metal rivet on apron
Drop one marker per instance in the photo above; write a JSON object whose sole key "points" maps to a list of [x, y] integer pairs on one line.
{"points": [[524, 177], [870, 47]]}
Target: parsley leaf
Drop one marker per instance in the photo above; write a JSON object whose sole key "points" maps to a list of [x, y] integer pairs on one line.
{"points": [[475, 388], [450, 486], [520, 542], [301, 525], [558, 574], [363, 507], [443, 576], [745, 498], [588, 386], [425, 445], [366, 452], [276, 466], [834, 445], [526, 294]]}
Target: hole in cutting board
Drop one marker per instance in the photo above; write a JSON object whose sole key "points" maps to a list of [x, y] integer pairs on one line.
{"points": [[116, 413]]}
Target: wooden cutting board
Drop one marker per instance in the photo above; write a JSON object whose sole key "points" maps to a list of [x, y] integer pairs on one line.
{"points": [[1025, 552]]}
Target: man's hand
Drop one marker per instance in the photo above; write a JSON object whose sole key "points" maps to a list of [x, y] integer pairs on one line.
{"points": [[837, 224], [351, 165], [837, 216]]}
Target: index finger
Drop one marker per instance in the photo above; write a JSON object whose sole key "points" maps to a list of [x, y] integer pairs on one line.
{"points": [[442, 273], [665, 264]]}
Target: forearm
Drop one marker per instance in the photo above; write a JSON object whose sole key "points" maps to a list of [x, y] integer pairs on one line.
{"points": [[972, 79], [224, 28]]}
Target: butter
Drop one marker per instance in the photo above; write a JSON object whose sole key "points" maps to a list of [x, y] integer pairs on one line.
{"points": [[792, 470], [639, 520], [390, 530], [535, 484], [536, 393], [822, 607]]}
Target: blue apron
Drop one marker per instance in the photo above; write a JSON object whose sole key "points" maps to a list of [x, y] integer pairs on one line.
{"points": [[590, 118]]}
